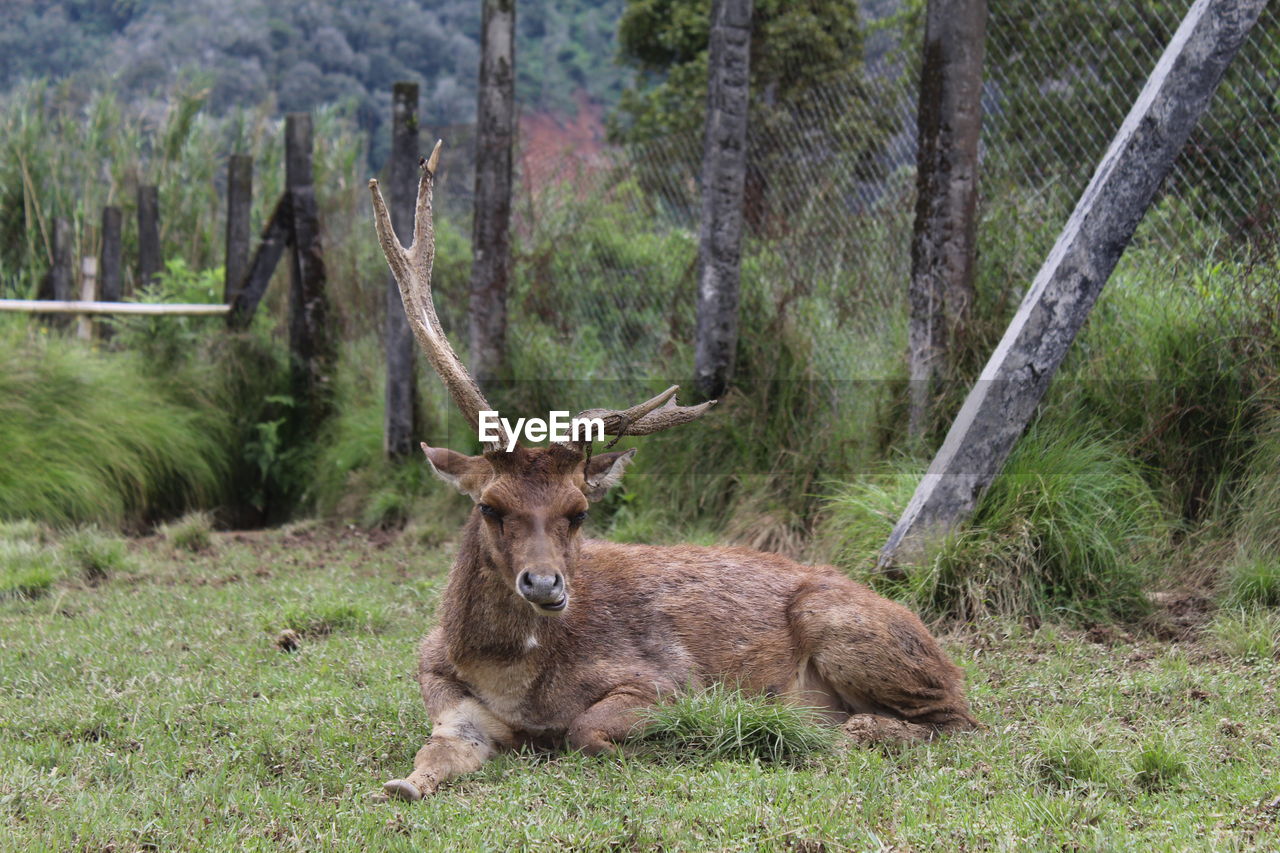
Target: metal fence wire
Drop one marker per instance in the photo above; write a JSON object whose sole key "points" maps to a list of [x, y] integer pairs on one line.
{"points": [[831, 191]]}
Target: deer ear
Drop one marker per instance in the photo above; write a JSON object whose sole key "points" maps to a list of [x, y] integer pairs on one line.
{"points": [[604, 471], [467, 474]]}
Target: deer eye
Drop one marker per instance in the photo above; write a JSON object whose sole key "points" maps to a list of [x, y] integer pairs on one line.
{"points": [[489, 512], [578, 518]]}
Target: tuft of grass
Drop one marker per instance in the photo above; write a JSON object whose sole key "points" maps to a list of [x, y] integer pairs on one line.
{"points": [[93, 437], [1247, 633], [1253, 580], [1064, 758], [193, 532], [24, 530], [27, 569], [322, 618], [96, 555], [1069, 527], [722, 722], [1158, 765]]}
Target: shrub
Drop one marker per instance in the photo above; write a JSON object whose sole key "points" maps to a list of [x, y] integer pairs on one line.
{"points": [[193, 532], [721, 722], [1067, 527]]}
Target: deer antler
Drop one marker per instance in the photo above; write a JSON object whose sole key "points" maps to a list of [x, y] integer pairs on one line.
{"points": [[653, 415], [412, 271]]}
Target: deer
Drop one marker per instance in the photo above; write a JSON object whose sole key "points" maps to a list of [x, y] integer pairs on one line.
{"points": [[547, 639]]}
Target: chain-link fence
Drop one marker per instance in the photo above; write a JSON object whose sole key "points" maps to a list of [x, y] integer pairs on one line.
{"points": [[609, 236]]}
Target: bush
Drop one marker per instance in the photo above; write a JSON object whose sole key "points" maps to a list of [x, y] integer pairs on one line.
{"points": [[94, 438], [720, 722], [1068, 528]]}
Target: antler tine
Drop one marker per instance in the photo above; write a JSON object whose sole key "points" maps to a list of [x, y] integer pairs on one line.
{"points": [[653, 415], [412, 271]]}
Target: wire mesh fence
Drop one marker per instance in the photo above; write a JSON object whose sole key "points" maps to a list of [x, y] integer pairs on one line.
{"points": [[831, 190]]}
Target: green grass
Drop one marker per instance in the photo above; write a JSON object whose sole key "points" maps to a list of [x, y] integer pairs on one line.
{"points": [[157, 712], [96, 438], [193, 532], [1069, 528], [95, 554], [27, 569], [720, 722]]}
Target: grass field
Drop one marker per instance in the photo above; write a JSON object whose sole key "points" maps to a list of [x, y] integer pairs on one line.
{"points": [[152, 709]]}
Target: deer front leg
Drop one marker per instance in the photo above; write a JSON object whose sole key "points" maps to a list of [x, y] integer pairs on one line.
{"points": [[610, 720], [464, 737]]}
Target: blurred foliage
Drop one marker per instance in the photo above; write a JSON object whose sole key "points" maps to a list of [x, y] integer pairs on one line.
{"points": [[300, 57]]}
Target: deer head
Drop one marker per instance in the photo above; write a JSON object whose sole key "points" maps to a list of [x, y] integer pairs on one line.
{"points": [[530, 502]]}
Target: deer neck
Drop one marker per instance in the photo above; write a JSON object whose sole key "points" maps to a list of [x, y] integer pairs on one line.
{"points": [[481, 615]]}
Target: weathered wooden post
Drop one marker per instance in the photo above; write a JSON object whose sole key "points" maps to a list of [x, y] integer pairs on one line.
{"points": [[239, 210], [402, 390], [943, 243], [310, 343], [109, 270], [88, 293], [491, 231], [1002, 402], [148, 234], [276, 234], [56, 284], [724, 171]]}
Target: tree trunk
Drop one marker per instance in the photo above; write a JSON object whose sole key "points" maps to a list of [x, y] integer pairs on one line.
{"points": [[943, 244], [491, 235], [724, 169], [402, 390], [1005, 397]]}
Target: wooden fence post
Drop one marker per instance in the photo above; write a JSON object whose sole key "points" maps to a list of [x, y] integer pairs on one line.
{"points": [[109, 268], [943, 241], [56, 284], [491, 231], [402, 390], [148, 234], [310, 343], [724, 171], [1002, 402], [239, 210], [88, 293]]}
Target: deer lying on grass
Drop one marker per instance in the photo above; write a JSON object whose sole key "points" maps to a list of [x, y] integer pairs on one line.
{"points": [[547, 637]]}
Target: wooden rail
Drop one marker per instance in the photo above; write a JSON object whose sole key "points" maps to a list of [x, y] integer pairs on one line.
{"points": [[48, 306]]}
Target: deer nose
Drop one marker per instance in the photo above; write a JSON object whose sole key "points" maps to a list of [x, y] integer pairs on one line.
{"points": [[545, 589]]}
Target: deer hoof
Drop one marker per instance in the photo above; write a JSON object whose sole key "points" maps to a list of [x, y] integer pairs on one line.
{"points": [[402, 789]]}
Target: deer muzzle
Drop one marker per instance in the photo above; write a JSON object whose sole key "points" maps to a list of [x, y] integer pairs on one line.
{"points": [[543, 589]]}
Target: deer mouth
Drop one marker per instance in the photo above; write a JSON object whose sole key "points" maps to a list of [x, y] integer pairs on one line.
{"points": [[555, 606]]}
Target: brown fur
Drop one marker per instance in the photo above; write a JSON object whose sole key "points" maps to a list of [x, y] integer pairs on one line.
{"points": [[644, 622]]}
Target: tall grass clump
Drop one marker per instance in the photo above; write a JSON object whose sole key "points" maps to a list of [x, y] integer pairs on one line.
{"points": [[97, 555], [94, 438], [27, 569], [722, 722], [1069, 527]]}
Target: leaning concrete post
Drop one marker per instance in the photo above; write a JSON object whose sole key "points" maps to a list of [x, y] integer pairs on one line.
{"points": [[1002, 402]]}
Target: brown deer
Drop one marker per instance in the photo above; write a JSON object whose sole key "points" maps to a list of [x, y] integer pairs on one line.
{"points": [[548, 638]]}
